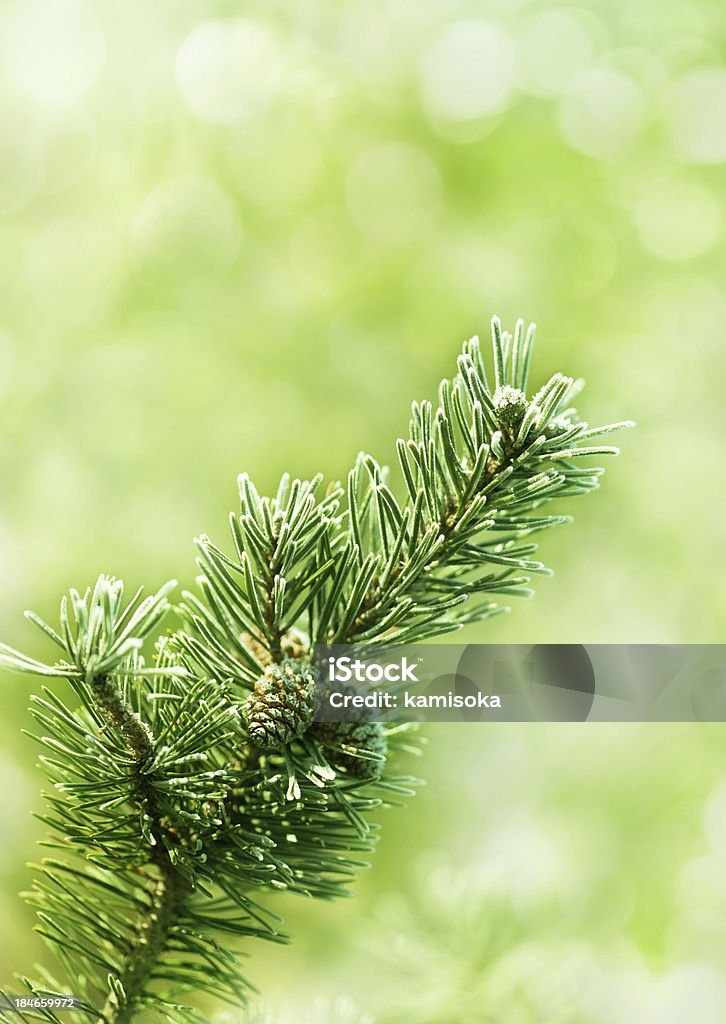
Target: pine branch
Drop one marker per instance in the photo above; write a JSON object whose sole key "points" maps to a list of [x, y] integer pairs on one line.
{"points": [[477, 471], [139, 793], [479, 465], [175, 818], [186, 788]]}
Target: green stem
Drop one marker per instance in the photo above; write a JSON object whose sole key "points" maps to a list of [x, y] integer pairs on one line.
{"points": [[169, 892], [274, 634], [118, 713], [169, 889], [372, 608]]}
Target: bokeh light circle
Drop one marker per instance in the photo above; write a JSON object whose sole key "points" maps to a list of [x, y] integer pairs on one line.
{"points": [[696, 106], [691, 990], [22, 162], [468, 71], [394, 193], [556, 46], [714, 819], [8, 361], [229, 70], [52, 51], [602, 113], [678, 220], [186, 231], [70, 144]]}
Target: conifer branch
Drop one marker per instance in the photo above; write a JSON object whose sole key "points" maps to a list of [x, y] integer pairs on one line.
{"points": [[185, 787]]}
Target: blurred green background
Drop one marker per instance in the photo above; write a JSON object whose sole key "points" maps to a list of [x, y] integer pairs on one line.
{"points": [[244, 237]]}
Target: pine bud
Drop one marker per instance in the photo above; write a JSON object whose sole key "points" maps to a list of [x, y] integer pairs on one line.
{"points": [[510, 405], [295, 644], [281, 705], [560, 425], [347, 740]]}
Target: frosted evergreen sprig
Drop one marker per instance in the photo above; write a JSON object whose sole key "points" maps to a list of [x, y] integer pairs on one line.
{"points": [[360, 564], [478, 469], [187, 788]]}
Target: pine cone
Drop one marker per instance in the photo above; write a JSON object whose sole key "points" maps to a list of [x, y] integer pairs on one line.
{"points": [[367, 737], [281, 705]]}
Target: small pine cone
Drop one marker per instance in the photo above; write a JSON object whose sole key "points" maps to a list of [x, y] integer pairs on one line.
{"points": [[367, 737], [281, 705]]}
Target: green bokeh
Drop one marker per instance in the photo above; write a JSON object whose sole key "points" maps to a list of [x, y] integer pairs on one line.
{"points": [[245, 241]]}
